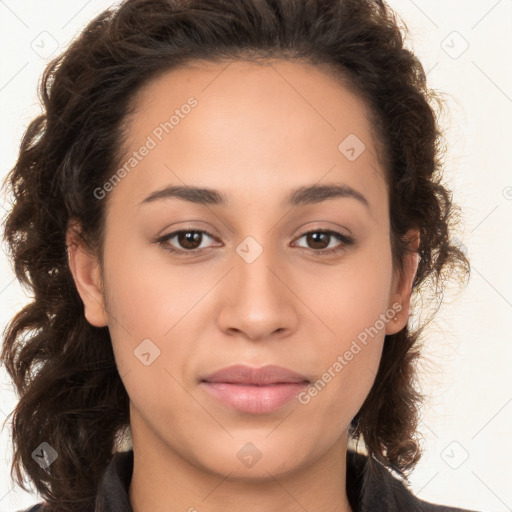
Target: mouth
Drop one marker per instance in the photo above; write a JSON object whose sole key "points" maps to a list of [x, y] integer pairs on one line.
{"points": [[254, 398], [254, 390]]}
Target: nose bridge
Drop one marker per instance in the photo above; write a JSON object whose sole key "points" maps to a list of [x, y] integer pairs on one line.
{"points": [[258, 302], [255, 280]]}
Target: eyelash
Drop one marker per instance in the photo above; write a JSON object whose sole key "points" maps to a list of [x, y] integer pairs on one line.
{"points": [[344, 239]]}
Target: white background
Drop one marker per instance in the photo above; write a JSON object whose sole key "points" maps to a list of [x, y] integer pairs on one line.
{"points": [[466, 422]]}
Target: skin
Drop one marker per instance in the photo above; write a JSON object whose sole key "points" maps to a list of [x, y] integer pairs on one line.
{"points": [[257, 133]]}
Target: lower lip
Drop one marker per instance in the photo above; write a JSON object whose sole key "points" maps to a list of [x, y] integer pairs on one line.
{"points": [[254, 399]]}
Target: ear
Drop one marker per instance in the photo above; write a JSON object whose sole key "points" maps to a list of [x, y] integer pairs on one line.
{"points": [[402, 283], [85, 269]]}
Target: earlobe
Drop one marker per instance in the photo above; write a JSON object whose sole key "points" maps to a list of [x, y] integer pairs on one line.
{"points": [[85, 269], [402, 286]]}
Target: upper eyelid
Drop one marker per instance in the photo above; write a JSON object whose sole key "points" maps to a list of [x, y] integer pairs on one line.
{"points": [[172, 234]]}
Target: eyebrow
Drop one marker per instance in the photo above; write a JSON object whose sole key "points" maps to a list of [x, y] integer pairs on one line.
{"points": [[305, 195]]}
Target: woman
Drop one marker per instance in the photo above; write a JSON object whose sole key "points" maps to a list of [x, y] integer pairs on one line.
{"points": [[223, 212]]}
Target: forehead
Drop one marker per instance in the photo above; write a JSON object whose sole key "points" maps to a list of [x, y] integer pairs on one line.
{"points": [[260, 123]]}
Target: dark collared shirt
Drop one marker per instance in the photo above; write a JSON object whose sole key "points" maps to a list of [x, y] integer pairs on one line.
{"points": [[367, 491]]}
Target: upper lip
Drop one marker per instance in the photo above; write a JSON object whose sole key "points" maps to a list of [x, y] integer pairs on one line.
{"points": [[244, 374]]}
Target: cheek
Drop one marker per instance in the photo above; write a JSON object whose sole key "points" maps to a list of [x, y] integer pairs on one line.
{"points": [[354, 308], [355, 293], [147, 295], [153, 309], [346, 364]]}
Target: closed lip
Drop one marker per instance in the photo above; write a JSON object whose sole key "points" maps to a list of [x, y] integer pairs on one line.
{"points": [[243, 374]]}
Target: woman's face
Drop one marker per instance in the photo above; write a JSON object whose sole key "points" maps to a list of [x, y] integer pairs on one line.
{"points": [[257, 290]]}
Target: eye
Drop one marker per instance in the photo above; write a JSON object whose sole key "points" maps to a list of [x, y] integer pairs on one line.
{"points": [[188, 240], [321, 241]]}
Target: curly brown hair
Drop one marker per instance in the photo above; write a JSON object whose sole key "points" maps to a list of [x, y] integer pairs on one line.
{"points": [[63, 368]]}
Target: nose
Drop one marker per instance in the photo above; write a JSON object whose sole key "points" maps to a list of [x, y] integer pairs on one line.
{"points": [[257, 299]]}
